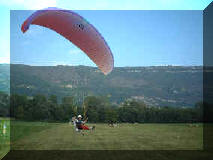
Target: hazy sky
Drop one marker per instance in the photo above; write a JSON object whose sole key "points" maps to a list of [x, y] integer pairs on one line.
{"points": [[136, 38]]}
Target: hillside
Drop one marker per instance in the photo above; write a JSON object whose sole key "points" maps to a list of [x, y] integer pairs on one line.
{"points": [[159, 85], [5, 78]]}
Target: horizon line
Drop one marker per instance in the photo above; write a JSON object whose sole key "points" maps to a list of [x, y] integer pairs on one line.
{"points": [[166, 65]]}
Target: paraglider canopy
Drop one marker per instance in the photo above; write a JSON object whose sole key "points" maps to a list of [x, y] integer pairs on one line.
{"points": [[78, 31]]}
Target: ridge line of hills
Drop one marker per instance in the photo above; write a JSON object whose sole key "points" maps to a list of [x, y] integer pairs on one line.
{"points": [[155, 85]]}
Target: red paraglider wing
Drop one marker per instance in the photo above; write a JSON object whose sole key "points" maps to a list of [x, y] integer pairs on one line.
{"points": [[77, 30]]}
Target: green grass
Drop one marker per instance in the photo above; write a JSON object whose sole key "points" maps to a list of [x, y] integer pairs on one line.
{"points": [[21, 129], [61, 136], [4, 136]]}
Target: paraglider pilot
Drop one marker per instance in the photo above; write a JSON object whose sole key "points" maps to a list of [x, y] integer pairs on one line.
{"points": [[80, 124]]}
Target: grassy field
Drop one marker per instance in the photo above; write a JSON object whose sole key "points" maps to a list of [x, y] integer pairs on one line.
{"points": [[61, 136], [4, 136]]}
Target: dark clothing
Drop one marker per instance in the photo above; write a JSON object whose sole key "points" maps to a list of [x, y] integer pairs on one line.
{"points": [[79, 124]]}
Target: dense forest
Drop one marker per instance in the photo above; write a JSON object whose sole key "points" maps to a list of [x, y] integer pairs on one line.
{"points": [[97, 108], [128, 94], [4, 104]]}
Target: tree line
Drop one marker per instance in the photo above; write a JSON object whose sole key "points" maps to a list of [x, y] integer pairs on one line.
{"points": [[97, 109]]}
